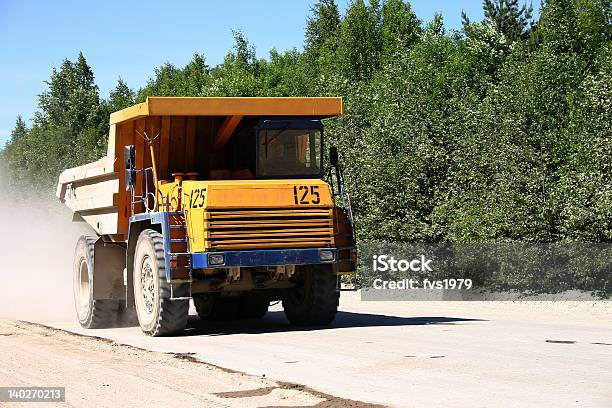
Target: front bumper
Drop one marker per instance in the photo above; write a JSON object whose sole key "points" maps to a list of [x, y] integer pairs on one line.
{"points": [[265, 257]]}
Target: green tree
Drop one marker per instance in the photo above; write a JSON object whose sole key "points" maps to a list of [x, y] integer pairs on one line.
{"points": [[240, 74], [191, 80], [321, 44], [14, 154], [400, 27], [322, 25], [121, 97], [508, 18], [167, 81], [499, 132], [196, 76], [359, 42], [19, 131], [72, 98], [68, 128], [284, 74]]}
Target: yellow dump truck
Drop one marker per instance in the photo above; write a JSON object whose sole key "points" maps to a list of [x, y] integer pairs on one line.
{"points": [[219, 200]]}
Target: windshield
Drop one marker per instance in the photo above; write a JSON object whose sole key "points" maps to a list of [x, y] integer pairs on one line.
{"points": [[289, 153]]}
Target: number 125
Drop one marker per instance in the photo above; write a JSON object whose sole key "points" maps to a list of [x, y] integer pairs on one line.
{"points": [[306, 195]]}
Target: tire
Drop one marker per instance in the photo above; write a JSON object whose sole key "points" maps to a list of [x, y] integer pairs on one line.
{"points": [[158, 315], [127, 315], [221, 308], [91, 313], [314, 301], [203, 305], [254, 306]]}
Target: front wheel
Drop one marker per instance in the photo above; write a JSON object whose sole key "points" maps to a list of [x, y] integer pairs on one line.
{"points": [[314, 300], [158, 315]]}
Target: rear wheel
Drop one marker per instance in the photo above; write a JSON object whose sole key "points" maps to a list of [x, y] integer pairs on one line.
{"points": [[158, 315], [217, 308], [91, 313], [254, 305], [249, 306], [314, 301]]}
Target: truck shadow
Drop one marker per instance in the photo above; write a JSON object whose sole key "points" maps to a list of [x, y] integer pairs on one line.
{"points": [[275, 321]]}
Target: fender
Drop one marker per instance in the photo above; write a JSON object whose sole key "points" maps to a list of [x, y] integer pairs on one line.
{"points": [[109, 262]]}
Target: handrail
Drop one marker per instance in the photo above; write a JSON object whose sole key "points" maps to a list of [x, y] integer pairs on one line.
{"points": [[145, 193]]}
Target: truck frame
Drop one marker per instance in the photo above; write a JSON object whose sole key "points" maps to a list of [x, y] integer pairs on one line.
{"points": [[219, 200]]}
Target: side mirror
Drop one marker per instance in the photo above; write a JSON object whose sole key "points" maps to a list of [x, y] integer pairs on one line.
{"points": [[129, 159], [333, 156]]}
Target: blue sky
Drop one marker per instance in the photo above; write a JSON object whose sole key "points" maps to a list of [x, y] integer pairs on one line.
{"points": [[129, 39]]}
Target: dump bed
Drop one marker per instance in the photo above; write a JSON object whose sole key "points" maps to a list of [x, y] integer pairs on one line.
{"points": [[190, 135]]}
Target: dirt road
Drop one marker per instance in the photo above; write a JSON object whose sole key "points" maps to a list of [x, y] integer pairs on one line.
{"points": [[100, 373], [421, 354]]}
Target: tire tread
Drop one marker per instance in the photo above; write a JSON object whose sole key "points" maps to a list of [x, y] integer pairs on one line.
{"points": [[173, 313], [104, 312], [322, 300]]}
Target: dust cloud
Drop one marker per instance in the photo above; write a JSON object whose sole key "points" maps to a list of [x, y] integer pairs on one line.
{"points": [[37, 239]]}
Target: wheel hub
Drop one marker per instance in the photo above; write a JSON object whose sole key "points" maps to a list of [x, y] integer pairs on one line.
{"points": [[147, 283], [83, 284]]}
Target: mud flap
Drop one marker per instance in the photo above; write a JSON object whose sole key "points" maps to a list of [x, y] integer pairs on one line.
{"points": [[109, 262]]}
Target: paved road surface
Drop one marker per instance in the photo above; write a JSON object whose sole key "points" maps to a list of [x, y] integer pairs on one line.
{"points": [[421, 354]]}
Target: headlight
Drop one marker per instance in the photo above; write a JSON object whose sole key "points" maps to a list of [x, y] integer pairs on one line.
{"points": [[216, 259], [326, 255]]}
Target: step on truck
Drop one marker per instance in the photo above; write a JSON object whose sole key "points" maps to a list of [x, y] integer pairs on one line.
{"points": [[222, 201]]}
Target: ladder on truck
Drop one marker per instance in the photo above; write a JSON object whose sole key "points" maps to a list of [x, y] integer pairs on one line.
{"points": [[179, 263]]}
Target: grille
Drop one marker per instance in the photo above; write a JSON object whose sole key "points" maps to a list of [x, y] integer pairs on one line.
{"points": [[260, 229]]}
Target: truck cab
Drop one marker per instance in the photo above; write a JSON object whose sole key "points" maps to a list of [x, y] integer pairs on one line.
{"points": [[226, 201]]}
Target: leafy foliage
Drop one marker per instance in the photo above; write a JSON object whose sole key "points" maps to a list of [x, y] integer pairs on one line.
{"points": [[508, 18], [323, 24], [497, 132]]}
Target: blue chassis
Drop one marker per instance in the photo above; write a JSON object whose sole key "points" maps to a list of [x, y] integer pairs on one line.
{"points": [[261, 257]]}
